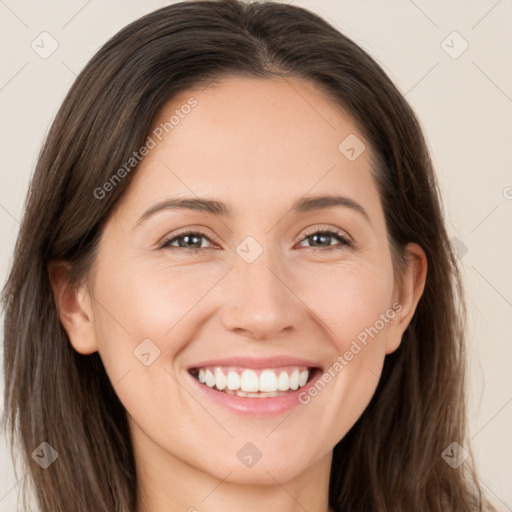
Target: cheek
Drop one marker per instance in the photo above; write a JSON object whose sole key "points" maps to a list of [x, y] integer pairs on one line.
{"points": [[351, 299], [148, 315], [355, 306], [141, 323], [140, 303]]}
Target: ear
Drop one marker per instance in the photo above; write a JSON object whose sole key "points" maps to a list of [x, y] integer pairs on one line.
{"points": [[406, 295], [74, 308]]}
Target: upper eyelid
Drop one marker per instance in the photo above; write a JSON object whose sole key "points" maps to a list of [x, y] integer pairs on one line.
{"points": [[337, 231]]}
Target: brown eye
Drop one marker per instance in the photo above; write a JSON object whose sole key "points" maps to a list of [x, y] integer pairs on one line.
{"points": [[188, 241], [322, 238]]}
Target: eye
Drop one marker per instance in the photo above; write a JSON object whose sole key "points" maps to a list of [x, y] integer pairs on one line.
{"points": [[191, 241], [319, 237]]}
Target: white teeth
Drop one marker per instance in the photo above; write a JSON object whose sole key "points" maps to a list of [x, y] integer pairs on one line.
{"points": [[294, 380], [233, 380], [283, 382], [220, 379], [268, 381], [247, 382], [210, 379]]}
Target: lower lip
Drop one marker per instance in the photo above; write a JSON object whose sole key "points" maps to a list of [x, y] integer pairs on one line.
{"points": [[257, 406]]}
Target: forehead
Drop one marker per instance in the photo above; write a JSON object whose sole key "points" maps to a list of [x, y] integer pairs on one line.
{"points": [[251, 142]]}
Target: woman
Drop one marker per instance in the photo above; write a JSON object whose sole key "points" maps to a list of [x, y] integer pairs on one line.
{"points": [[232, 287]]}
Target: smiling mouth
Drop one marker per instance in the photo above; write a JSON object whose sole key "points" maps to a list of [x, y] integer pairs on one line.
{"points": [[254, 383]]}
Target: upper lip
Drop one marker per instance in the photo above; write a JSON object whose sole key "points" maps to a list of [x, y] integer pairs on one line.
{"points": [[257, 362]]}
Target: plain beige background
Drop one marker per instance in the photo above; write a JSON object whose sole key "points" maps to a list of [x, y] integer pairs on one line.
{"points": [[463, 97]]}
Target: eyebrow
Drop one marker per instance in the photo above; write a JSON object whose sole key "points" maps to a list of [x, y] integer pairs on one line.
{"points": [[214, 207]]}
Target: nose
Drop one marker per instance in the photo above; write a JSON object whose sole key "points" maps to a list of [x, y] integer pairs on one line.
{"points": [[260, 301]]}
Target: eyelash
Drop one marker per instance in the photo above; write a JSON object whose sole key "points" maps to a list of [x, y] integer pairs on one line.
{"points": [[344, 242]]}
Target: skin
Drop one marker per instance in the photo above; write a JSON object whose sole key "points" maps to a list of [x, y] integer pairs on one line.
{"points": [[258, 146]]}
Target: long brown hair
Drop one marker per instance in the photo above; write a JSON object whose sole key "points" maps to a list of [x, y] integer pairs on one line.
{"points": [[391, 459]]}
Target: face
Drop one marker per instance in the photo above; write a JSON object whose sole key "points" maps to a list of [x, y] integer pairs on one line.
{"points": [[289, 310]]}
